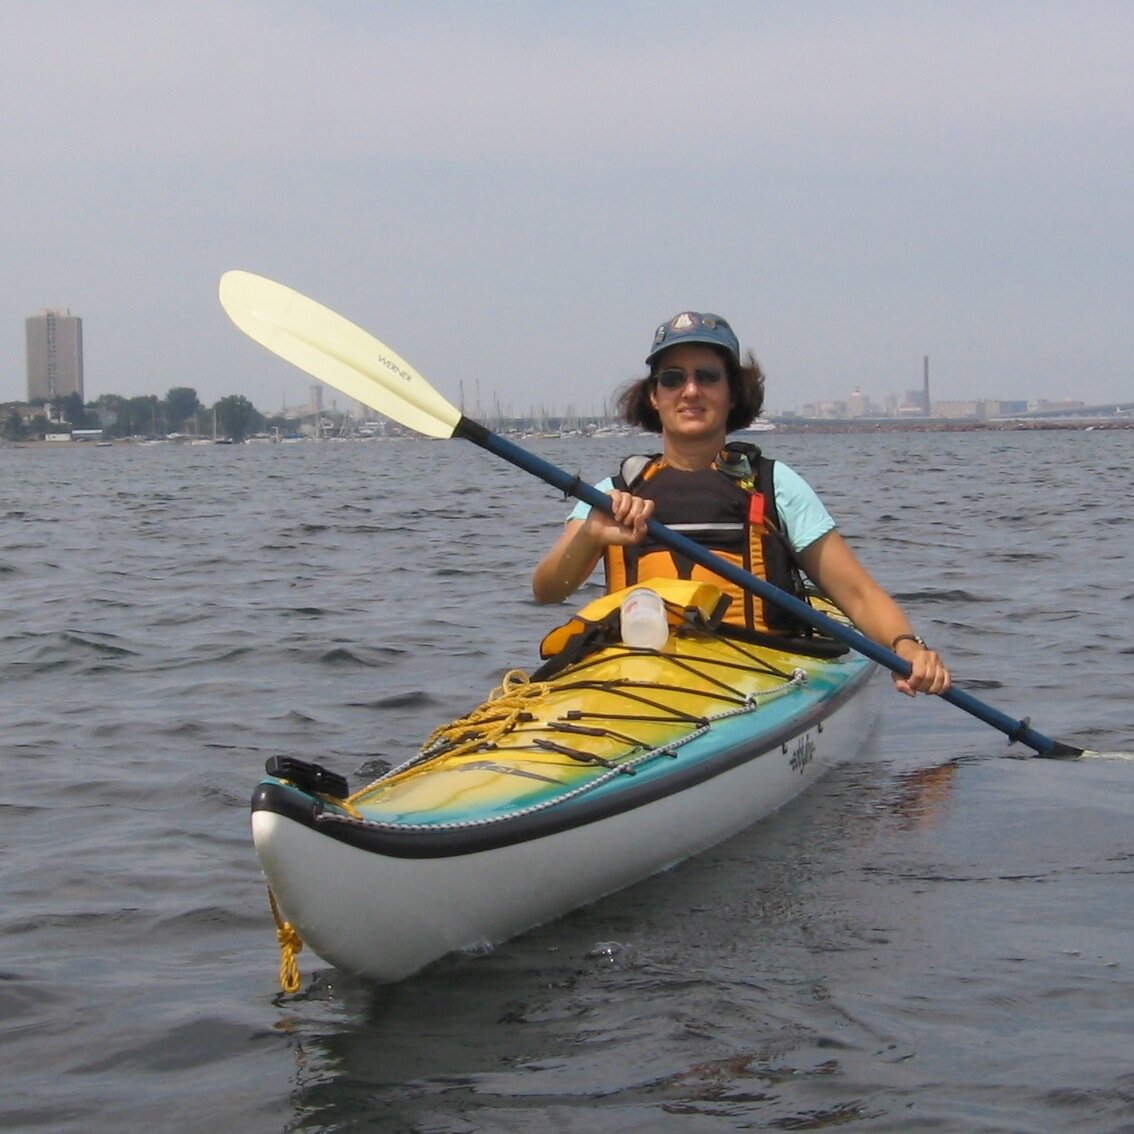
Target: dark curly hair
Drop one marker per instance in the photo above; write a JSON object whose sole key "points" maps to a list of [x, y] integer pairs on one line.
{"points": [[746, 384]]}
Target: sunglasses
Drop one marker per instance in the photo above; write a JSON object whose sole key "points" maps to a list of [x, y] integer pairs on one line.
{"points": [[675, 378]]}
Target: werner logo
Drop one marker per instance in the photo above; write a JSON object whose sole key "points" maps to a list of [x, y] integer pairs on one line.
{"points": [[398, 371], [803, 753]]}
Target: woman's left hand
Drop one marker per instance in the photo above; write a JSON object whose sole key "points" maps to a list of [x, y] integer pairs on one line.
{"points": [[927, 671], [831, 564]]}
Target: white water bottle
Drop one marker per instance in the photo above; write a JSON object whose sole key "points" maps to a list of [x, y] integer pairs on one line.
{"points": [[644, 624]]}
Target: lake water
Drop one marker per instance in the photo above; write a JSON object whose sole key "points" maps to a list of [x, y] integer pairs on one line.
{"points": [[938, 937]]}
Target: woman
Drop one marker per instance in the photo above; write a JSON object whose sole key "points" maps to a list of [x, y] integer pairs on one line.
{"points": [[697, 391]]}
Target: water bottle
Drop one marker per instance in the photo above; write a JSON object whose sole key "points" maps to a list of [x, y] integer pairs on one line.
{"points": [[644, 624]]}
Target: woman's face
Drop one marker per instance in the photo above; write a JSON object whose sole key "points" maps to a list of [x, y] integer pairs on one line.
{"points": [[694, 409]]}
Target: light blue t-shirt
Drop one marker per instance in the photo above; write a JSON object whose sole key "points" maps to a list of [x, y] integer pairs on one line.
{"points": [[804, 516]]}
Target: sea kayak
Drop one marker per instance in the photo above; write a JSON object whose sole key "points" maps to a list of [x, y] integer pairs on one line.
{"points": [[601, 768]]}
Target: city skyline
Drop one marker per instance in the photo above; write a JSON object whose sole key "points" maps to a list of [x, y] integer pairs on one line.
{"points": [[326, 400], [55, 369]]}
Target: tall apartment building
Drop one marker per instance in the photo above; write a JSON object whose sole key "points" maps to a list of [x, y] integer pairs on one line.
{"points": [[55, 355]]}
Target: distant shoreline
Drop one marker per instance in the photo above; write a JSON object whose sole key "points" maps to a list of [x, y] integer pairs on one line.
{"points": [[946, 425], [803, 425]]}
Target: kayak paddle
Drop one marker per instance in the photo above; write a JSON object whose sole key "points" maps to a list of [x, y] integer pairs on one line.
{"points": [[344, 356]]}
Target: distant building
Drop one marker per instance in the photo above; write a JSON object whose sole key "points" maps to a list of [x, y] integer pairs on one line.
{"points": [[916, 402], [973, 410], [1067, 405], [55, 355], [1012, 408], [825, 410]]}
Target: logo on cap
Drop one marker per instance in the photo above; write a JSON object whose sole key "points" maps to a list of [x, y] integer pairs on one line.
{"points": [[693, 326]]}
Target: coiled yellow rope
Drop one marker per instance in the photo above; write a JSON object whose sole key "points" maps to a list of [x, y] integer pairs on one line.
{"points": [[496, 717], [291, 944]]}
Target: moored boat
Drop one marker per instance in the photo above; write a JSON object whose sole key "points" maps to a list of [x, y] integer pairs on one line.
{"points": [[606, 765]]}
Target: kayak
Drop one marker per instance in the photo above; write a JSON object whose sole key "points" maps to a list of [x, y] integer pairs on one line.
{"points": [[607, 764]]}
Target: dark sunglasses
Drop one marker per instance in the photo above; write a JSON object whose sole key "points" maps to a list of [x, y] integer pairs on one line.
{"points": [[674, 378]]}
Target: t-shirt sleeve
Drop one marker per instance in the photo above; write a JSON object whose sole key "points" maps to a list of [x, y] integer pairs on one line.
{"points": [[582, 509], [804, 515]]}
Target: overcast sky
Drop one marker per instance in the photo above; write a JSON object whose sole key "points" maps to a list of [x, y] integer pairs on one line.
{"points": [[513, 195]]}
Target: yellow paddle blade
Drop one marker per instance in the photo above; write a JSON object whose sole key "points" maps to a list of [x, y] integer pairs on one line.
{"points": [[335, 351]]}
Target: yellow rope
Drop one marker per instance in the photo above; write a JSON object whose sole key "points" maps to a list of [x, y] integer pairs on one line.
{"points": [[496, 717], [290, 945]]}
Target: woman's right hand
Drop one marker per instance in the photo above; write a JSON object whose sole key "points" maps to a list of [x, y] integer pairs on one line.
{"points": [[627, 525], [579, 547]]}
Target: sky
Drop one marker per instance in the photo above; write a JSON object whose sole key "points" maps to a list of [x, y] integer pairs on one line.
{"points": [[513, 195]]}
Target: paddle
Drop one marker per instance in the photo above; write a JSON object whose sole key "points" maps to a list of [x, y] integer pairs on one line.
{"points": [[343, 355]]}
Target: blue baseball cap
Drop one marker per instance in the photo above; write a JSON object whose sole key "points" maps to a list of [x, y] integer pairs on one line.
{"points": [[696, 327]]}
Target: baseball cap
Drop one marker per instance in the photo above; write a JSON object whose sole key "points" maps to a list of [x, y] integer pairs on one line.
{"points": [[695, 327]]}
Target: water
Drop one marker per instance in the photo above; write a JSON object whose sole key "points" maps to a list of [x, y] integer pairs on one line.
{"points": [[939, 937]]}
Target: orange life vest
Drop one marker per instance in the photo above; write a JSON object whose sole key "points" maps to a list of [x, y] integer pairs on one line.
{"points": [[729, 509]]}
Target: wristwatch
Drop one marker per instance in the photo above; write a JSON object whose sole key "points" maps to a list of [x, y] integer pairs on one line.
{"points": [[908, 638]]}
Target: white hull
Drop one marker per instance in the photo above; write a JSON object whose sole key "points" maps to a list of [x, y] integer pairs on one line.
{"points": [[386, 917]]}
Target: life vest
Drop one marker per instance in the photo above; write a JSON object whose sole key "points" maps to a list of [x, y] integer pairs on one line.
{"points": [[729, 509]]}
